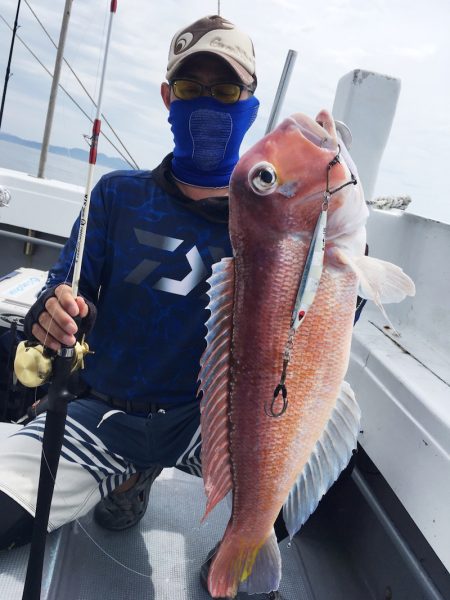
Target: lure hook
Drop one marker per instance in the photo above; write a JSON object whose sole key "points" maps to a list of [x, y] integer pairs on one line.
{"points": [[269, 409]]}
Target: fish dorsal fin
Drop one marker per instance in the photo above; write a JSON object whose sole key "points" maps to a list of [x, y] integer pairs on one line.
{"points": [[214, 379], [330, 456]]}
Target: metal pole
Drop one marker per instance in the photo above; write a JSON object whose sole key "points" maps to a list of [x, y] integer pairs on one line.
{"points": [[8, 66], [29, 248], [54, 89], [25, 238], [281, 91]]}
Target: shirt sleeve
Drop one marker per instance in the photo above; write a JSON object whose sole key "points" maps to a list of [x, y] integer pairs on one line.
{"points": [[93, 260]]}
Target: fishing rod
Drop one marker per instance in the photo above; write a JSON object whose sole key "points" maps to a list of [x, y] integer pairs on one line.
{"points": [[96, 126], [61, 366], [8, 66]]}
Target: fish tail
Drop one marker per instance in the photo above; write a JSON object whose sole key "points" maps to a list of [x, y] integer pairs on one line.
{"points": [[254, 568]]}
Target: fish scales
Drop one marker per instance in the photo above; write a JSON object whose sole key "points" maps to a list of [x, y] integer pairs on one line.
{"points": [[261, 322]]}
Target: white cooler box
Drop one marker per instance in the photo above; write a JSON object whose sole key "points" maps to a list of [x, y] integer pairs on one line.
{"points": [[18, 291]]}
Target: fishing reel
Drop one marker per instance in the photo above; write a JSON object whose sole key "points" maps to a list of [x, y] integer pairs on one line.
{"points": [[33, 364]]}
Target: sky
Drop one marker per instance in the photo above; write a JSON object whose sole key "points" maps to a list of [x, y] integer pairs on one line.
{"points": [[403, 39]]}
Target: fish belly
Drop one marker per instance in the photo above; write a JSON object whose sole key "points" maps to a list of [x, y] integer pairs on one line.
{"points": [[268, 453]]}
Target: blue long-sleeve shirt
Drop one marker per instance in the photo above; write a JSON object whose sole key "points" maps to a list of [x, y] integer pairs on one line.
{"points": [[148, 253], [147, 256]]}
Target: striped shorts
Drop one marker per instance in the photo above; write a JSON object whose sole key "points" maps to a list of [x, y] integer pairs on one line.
{"points": [[102, 447]]}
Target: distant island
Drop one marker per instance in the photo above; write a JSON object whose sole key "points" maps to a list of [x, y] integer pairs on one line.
{"points": [[76, 153]]}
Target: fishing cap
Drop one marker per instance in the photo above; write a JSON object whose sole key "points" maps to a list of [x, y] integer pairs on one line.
{"points": [[215, 35]]}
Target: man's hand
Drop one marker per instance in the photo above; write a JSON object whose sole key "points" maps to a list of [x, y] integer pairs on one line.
{"points": [[55, 325]]}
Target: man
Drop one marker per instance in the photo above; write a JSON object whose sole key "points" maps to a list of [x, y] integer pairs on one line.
{"points": [[152, 238]]}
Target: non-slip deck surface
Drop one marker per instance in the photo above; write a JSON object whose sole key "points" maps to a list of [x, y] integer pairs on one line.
{"points": [[159, 559]]}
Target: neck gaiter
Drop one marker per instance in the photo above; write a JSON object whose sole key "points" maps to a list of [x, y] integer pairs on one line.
{"points": [[207, 137]]}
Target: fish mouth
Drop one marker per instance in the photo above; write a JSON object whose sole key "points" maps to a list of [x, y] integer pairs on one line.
{"points": [[314, 131], [321, 134]]}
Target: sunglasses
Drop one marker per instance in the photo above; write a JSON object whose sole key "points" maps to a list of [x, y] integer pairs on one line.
{"points": [[187, 89]]}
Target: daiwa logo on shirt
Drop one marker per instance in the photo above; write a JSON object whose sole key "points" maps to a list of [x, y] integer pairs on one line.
{"points": [[196, 268]]}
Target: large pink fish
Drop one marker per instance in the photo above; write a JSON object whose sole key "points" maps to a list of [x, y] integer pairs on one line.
{"points": [[273, 450]]}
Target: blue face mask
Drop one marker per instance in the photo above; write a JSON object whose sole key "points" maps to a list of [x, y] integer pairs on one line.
{"points": [[207, 136]]}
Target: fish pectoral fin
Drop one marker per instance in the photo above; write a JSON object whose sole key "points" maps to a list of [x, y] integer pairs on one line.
{"points": [[330, 456], [382, 281], [379, 280], [253, 569], [214, 380]]}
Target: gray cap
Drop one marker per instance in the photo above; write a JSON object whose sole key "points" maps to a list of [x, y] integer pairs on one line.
{"points": [[215, 35]]}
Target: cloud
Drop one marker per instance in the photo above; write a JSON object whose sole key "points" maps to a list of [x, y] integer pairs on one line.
{"points": [[399, 38], [346, 56], [421, 52]]}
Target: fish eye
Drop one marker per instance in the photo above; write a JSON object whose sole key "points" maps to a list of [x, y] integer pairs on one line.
{"points": [[263, 178]]}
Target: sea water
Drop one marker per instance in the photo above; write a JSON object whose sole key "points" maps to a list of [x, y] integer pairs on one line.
{"points": [[422, 185], [60, 167]]}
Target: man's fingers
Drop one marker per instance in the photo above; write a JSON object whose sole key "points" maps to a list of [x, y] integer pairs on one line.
{"points": [[73, 306], [82, 306], [59, 316], [42, 336], [62, 335], [65, 298], [56, 323]]}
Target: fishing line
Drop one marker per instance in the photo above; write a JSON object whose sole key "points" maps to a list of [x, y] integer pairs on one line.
{"points": [[100, 55], [77, 521], [83, 87], [89, 536], [113, 558], [77, 256], [76, 263], [80, 108], [35, 404], [96, 128], [65, 282], [307, 290]]}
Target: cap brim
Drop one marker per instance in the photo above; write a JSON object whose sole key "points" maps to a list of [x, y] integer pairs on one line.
{"points": [[243, 75]]}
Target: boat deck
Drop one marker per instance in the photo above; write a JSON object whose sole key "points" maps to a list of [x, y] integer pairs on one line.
{"points": [[342, 553], [160, 558]]}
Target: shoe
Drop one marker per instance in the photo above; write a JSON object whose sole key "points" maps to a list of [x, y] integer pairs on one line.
{"points": [[204, 570], [124, 509]]}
